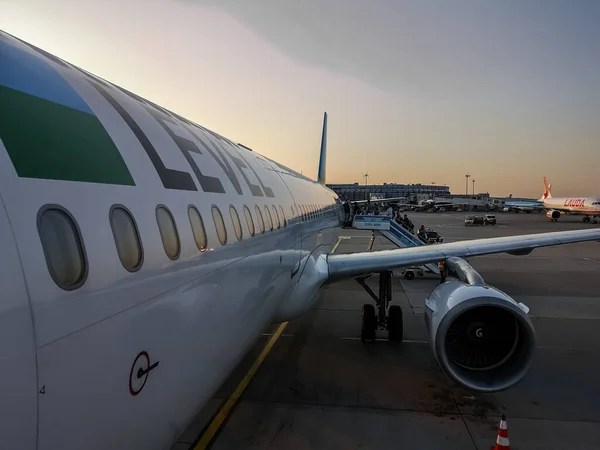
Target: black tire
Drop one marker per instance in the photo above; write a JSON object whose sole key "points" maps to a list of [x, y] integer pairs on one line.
{"points": [[395, 324], [369, 323], [409, 275]]}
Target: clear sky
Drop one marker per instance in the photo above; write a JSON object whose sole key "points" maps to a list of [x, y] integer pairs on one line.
{"points": [[416, 91]]}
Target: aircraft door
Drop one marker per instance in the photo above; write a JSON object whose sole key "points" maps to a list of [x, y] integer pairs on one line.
{"points": [[18, 390]]}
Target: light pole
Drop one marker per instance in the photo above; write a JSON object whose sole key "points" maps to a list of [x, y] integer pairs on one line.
{"points": [[467, 176], [366, 175], [473, 186]]}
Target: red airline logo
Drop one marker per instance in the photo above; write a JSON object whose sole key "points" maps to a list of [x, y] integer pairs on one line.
{"points": [[575, 202]]}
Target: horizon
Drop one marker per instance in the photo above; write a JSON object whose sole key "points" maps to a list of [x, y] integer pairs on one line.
{"points": [[504, 91]]}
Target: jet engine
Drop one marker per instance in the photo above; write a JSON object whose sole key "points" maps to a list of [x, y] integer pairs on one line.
{"points": [[479, 335], [554, 215]]}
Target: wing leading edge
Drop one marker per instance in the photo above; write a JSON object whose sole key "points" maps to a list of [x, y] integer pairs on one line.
{"points": [[349, 265]]}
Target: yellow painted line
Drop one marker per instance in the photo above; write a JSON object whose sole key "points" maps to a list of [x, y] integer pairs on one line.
{"points": [[225, 410], [216, 424], [338, 242]]}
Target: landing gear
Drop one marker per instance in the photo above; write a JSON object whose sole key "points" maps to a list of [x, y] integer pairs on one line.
{"points": [[369, 323], [586, 219], [372, 321], [595, 219]]}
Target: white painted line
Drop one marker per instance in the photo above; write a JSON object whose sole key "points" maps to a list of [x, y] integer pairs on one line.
{"points": [[407, 341], [568, 349], [592, 260]]}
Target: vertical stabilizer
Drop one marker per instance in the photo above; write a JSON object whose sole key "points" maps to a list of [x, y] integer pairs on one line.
{"points": [[323, 156], [547, 193]]}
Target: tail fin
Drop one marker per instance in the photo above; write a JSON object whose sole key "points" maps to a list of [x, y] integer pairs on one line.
{"points": [[547, 193], [323, 156]]}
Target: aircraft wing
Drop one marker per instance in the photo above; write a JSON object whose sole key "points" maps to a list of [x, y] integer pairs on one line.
{"points": [[380, 200], [349, 265]]}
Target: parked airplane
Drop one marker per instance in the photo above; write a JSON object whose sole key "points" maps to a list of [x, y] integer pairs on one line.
{"points": [[143, 255], [525, 206], [589, 207]]}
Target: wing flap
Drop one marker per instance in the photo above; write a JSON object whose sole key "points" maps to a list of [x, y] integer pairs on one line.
{"points": [[349, 265]]}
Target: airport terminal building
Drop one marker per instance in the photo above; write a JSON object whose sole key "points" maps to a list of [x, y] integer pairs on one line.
{"points": [[356, 191]]}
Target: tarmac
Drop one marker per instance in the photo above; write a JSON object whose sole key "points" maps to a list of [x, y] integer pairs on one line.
{"points": [[320, 387]]}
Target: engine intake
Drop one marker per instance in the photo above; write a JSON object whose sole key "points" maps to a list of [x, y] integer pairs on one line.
{"points": [[553, 215], [479, 335]]}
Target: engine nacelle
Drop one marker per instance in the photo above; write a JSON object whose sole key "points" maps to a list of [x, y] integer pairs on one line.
{"points": [[479, 335], [553, 215]]}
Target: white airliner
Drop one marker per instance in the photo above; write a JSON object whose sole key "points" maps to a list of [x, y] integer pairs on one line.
{"points": [[589, 207], [143, 255]]}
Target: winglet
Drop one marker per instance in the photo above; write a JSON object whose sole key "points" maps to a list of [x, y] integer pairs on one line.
{"points": [[323, 156]]}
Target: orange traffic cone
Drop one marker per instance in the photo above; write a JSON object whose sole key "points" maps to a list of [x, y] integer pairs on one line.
{"points": [[502, 442]]}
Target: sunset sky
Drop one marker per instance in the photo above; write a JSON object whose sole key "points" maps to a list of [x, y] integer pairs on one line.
{"points": [[416, 91]]}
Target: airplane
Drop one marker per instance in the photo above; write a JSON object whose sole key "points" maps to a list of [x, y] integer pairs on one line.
{"points": [[589, 207], [143, 255], [525, 206]]}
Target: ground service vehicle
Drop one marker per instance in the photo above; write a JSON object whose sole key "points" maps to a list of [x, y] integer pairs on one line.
{"points": [[433, 237]]}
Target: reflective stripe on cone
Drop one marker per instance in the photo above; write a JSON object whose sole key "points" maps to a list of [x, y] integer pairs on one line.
{"points": [[502, 442]]}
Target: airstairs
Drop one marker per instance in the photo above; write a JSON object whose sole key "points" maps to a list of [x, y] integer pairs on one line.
{"points": [[393, 231]]}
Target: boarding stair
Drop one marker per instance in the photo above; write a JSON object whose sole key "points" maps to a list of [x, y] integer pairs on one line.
{"points": [[392, 231]]}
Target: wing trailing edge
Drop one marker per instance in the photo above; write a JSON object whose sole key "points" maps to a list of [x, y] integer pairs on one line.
{"points": [[353, 264]]}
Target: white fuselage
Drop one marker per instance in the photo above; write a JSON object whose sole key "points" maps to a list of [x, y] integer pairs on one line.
{"points": [[67, 354], [589, 206]]}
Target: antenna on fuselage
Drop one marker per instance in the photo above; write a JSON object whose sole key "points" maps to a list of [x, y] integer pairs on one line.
{"points": [[323, 156]]}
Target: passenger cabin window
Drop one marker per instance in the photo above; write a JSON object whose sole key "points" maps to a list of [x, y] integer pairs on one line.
{"points": [[237, 225], [219, 225], [283, 216], [198, 229], [276, 216], [249, 220], [168, 232], [269, 218], [127, 238], [63, 248], [261, 221]]}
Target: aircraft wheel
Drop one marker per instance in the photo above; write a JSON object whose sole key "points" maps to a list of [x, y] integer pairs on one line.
{"points": [[409, 275], [395, 324], [369, 323]]}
